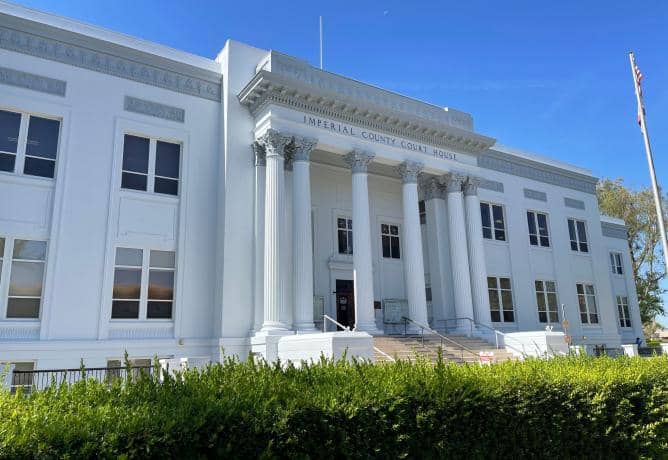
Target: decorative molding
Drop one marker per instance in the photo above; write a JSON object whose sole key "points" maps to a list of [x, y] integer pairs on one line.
{"points": [[43, 41], [614, 230], [534, 170], [535, 195], [302, 148], [471, 185], [274, 143], [19, 331], [141, 332], [492, 185], [453, 182], [573, 203], [154, 109], [259, 154], [32, 81], [358, 160], [409, 170]]}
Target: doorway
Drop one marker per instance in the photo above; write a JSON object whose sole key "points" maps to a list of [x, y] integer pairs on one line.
{"points": [[345, 303]]}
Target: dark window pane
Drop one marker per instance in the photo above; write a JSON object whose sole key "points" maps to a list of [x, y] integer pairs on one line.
{"points": [[125, 309], [127, 283], [542, 224], [484, 215], [10, 123], [487, 233], [42, 137], [584, 247], [343, 245], [509, 316], [350, 224], [22, 308], [133, 181], [500, 235], [497, 211], [571, 230], [350, 242], [39, 167], [496, 316], [7, 162], [554, 317], [531, 223], [167, 186], [574, 246], [386, 246], [545, 241], [135, 154], [533, 239], [341, 223], [159, 310], [384, 229], [161, 285], [394, 230], [582, 233], [395, 247], [542, 317], [167, 159], [583, 317], [29, 250], [593, 318]]}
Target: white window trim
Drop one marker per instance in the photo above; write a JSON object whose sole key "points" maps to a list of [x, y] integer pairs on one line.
{"points": [[598, 310], [501, 306], [544, 292], [338, 216], [22, 143], [537, 234], [577, 236], [5, 277], [622, 313], [399, 235], [617, 269], [150, 174], [493, 225]]}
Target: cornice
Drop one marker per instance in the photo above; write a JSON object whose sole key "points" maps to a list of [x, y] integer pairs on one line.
{"points": [[268, 88]]}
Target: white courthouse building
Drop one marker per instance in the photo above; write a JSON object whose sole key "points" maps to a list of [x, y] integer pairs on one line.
{"points": [[173, 205]]}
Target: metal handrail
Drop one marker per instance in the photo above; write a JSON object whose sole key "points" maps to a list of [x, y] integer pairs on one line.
{"points": [[327, 317], [384, 354], [442, 337], [496, 332]]}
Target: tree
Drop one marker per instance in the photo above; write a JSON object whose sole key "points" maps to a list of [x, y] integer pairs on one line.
{"points": [[636, 208]]}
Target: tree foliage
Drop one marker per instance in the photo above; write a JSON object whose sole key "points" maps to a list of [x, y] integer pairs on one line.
{"points": [[636, 208]]}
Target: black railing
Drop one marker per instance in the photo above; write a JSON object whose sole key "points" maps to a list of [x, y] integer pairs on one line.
{"points": [[40, 379]]}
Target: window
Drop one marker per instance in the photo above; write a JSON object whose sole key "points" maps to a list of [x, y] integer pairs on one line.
{"points": [[422, 210], [150, 165], [389, 235], [345, 235], [116, 368], [22, 380], [493, 222], [587, 303], [2, 256], [538, 233], [143, 286], [28, 143], [616, 263], [578, 235], [623, 309], [26, 279], [546, 300], [500, 300]]}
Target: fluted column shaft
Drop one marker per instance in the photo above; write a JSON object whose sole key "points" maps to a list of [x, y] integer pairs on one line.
{"points": [[274, 289], [303, 238], [412, 243], [477, 265], [458, 249], [288, 267], [362, 261], [258, 229]]}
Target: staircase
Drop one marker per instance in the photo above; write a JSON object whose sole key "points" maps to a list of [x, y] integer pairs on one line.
{"points": [[458, 349]]}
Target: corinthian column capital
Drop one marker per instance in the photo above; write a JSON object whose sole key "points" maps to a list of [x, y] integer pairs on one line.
{"points": [[432, 188], [453, 182], [302, 148], [409, 170], [259, 154], [358, 160], [274, 142], [471, 185]]}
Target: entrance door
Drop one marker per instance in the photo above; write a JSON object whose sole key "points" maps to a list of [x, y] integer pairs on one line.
{"points": [[345, 303]]}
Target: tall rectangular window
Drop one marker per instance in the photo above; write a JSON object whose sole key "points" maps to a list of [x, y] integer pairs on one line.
{"points": [[623, 310], [546, 300], [28, 143], [26, 279], [538, 232], [389, 235], [578, 235], [616, 263], [143, 284], [2, 256], [493, 221], [344, 229], [587, 303], [500, 300], [150, 165]]}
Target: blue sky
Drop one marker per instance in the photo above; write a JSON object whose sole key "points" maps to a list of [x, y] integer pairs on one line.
{"points": [[547, 77]]}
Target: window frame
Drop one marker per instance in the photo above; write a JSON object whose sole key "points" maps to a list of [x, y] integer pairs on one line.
{"points": [[616, 263], [499, 290], [22, 144], [589, 322], [493, 226], [539, 238], [150, 173], [389, 235], [623, 311], [6, 274], [544, 293], [349, 234], [578, 240], [144, 280]]}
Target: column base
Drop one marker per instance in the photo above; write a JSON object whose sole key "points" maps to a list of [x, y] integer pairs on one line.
{"points": [[265, 343], [369, 328], [306, 328]]}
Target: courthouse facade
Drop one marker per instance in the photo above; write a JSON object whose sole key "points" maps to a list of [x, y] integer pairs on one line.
{"points": [[167, 204]]}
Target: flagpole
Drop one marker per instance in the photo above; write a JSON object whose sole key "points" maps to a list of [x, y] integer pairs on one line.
{"points": [[320, 42], [650, 161]]}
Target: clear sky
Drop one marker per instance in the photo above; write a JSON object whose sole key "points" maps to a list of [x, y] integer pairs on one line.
{"points": [[547, 77]]}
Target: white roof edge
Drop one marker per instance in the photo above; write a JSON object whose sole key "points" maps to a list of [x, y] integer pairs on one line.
{"points": [[108, 35], [541, 159], [612, 220]]}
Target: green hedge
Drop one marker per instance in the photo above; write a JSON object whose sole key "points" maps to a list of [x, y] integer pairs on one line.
{"points": [[562, 408]]}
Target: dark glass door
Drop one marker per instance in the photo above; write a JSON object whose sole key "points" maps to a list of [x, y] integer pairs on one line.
{"points": [[345, 303]]}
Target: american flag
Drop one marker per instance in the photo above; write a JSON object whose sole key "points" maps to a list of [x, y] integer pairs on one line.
{"points": [[638, 76]]}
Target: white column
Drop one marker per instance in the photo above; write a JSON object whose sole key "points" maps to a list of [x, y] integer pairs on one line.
{"points": [[258, 229], [477, 265], [288, 266], [412, 244], [461, 278], [358, 161], [274, 290], [303, 239]]}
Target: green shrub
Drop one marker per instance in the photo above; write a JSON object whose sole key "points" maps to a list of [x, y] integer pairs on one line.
{"points": [[562, 408]]}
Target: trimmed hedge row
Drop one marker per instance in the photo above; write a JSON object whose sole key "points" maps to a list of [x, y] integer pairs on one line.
{"points": [[562, 408]]}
